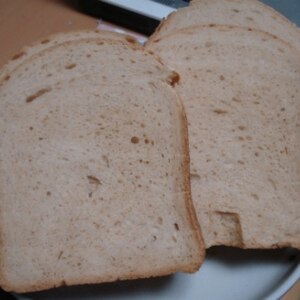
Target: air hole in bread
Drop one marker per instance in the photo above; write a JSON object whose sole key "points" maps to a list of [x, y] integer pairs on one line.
{"points": [[176, 226], [60, 254], [37, 94], [195, 176], [220, 111], [70, 66], [173, 78], [135, 140], [93, 180]]}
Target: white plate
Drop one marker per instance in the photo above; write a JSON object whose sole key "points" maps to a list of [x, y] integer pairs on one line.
{"points": [[227, 273]]}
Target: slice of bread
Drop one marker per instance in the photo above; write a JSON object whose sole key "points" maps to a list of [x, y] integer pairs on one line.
{"points": [[94, 167], [241, 93], [245, 13]]}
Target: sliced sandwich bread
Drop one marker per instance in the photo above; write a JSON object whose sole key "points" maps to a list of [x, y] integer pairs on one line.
{"points": [[241, 93], [94, 167]]}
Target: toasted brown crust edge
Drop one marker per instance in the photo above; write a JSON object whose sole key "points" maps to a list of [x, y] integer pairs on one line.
{"points": [[194, 223], [156, 33], [187, 183]]}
